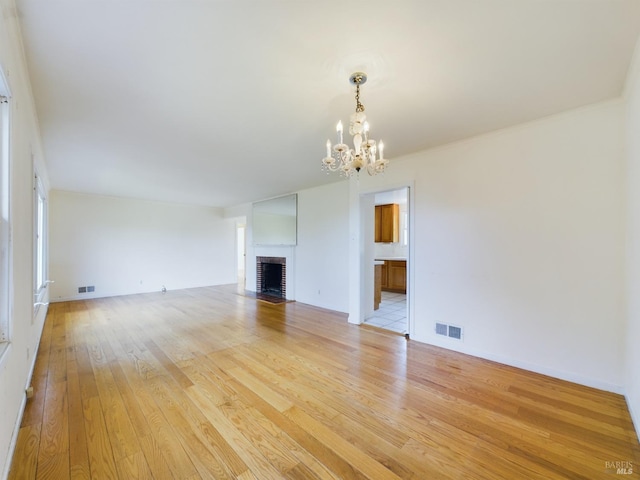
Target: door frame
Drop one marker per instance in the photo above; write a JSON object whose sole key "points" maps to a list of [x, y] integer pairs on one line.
{"points": [[241, 253], [362, 251]]}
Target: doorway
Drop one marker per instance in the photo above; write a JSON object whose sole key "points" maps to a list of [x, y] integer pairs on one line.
{"points": [[241, 231], [390, 256]]}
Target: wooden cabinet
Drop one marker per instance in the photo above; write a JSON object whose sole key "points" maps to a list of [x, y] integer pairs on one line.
{"points": [[393, 276], [397, 276], [384, 276], [387, 224]]}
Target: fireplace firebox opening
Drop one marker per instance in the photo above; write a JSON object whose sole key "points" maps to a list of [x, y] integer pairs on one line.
{"points": [[271, 276]]}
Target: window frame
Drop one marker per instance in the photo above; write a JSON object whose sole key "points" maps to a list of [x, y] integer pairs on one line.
{"points": [[6, 247], [40, 251]]}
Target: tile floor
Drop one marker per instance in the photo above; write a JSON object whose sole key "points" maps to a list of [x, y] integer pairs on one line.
{"points": [[392, 314]]}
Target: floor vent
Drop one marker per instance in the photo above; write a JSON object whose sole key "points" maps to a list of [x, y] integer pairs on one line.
{"points": [[450, 331]]}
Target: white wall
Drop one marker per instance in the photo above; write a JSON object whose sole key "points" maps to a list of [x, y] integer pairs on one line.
{"points": [[16, 363], [518, 238], [322, 254], [253, 251], [633, 240], [123, 246], [317, 272]]}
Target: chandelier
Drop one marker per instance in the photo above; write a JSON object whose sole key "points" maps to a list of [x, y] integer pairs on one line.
{"points": [[347, 160]]}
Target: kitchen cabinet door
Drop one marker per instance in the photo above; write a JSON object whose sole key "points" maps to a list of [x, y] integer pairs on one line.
{"points": [[397, 276], [384, 276], [387, 223]]}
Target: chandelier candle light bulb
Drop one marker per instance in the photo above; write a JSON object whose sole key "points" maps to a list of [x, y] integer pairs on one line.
{"points": [[348, 160]]}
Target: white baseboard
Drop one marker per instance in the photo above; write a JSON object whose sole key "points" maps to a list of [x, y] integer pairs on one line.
{"points": [[14, 439], [23, 405], [531, 367], [562, 375], [634, 416]]}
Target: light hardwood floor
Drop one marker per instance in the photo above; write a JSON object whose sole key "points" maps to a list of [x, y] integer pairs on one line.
{"points": [[206, 383]]}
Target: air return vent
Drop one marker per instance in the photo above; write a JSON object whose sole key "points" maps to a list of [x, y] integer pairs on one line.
{"points": [[450, 331], [455, 332]]}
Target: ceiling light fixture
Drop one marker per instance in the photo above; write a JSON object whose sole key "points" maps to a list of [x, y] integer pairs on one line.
{"points": [[363, 154]]}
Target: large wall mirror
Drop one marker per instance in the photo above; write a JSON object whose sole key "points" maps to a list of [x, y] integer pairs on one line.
{"points": [[275, 221]]}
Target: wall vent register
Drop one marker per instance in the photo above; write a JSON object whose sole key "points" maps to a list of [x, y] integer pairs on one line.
{"points": [[450, 331]]}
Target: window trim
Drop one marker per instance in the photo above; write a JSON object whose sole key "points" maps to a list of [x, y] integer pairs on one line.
{"points": [[6, 235], [40, 261]]}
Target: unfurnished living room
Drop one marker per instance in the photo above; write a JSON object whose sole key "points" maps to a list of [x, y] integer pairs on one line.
{"points": [[284, 239]]}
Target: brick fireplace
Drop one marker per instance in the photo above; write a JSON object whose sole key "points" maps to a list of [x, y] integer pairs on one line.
{"points": [[271, 276]]}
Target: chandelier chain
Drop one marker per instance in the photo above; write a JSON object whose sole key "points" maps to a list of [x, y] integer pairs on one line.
{"points": [[359, 106]]}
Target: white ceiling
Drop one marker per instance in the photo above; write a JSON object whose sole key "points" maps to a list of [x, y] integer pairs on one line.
{"points": [[220, 102]]}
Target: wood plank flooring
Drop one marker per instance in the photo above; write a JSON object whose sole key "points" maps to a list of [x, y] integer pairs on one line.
{"points": [[206, 383]]}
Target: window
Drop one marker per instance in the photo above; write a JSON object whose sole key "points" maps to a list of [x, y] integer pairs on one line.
{"points": [[5, 223], [40, 242]]}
